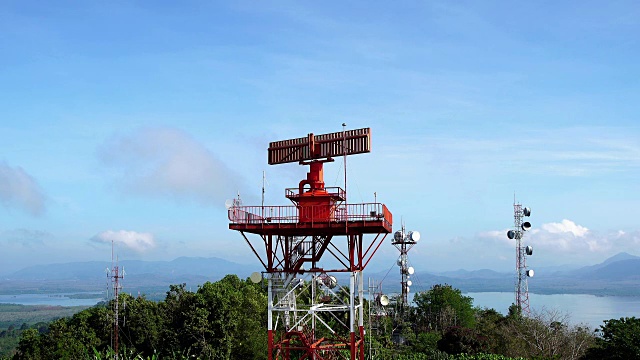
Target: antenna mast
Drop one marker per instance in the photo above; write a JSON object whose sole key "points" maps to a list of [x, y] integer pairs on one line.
{"points": [[115, 276], [405, 241], [522, 272], [263, 185]]}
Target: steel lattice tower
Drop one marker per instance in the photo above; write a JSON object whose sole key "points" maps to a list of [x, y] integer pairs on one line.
{"points": [[522, 271], [114, 274], [404, 242], [309, 315]]}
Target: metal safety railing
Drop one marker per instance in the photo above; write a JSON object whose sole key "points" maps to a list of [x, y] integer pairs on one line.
{"points": [[291, 214], [334, 191]]}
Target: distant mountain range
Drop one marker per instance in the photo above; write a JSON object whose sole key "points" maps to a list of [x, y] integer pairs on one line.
{"points": [[148, 277], [209, 268], [618, 275]]}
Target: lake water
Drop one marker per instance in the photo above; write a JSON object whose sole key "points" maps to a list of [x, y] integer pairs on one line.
{"points": [[582, 309], [89, 299]]}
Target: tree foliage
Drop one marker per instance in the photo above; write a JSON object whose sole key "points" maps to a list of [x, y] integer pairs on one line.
{"points": [[221, 320], [226, 320], [620, 339], [545, 334], [442, 307], [461, 340]]}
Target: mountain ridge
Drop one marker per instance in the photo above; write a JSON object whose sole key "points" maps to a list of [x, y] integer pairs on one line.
{"points": [[91, 270], [617, 275]]}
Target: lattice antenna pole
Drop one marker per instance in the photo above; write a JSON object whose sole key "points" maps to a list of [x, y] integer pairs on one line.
{"points": [[115, 277], [522, 300], [404, 241], [344, 156], [522, 271]]}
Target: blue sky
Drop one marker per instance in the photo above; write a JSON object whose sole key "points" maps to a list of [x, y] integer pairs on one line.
{"points": [[136, 121]]}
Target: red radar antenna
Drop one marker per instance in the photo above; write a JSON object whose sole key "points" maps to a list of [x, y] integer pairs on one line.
{"points": [[311, 316]]}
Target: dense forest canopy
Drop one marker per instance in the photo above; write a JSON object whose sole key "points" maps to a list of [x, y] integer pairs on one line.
{"points": [[227, 320]]}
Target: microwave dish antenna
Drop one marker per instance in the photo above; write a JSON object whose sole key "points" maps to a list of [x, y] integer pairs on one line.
{"points": [[330, 281], [383, 300], [530, 273], [255, 277], [228, 204]]}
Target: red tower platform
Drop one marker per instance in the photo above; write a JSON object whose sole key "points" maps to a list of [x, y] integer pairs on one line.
{"points": [[310, 316]]}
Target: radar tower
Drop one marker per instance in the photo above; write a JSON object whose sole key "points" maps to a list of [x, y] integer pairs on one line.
{"points": [[302, 246]]}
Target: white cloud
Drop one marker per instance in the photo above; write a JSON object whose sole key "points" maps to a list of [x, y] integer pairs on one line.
{"points": [[136, 241], [494, 234], [566, 226], [568, 237], [167, 161], [18, 189]]}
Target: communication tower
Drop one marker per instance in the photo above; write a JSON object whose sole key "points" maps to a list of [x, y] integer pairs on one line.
{"points": [[311, 316], [115, 274], [522, 272], [404, 241]]}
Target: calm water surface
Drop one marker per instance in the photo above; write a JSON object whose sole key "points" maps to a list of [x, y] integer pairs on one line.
{"points": [[582, 309], [50, 299]]}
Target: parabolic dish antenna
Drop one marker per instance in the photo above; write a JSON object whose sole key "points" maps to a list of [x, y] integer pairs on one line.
{"points": [[255, 277], [410, 270], [528, 250], [330, 281], [383, 300], [229, 203], [413, 236]]}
